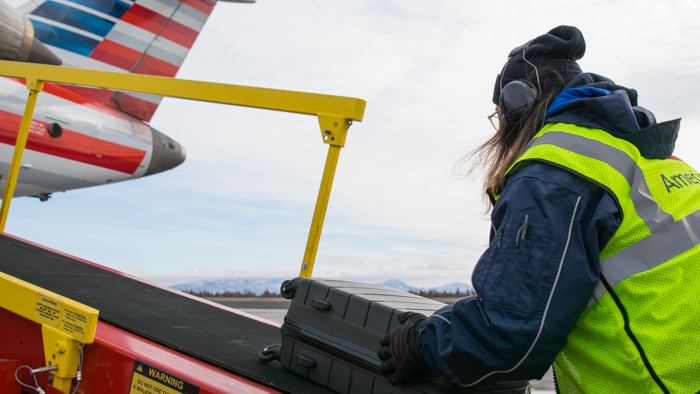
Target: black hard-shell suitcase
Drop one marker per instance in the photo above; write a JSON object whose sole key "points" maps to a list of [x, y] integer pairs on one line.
{"points": [[331, 334]]}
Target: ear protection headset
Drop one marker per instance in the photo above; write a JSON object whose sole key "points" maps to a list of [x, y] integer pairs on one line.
{"points": [[517, 97]]}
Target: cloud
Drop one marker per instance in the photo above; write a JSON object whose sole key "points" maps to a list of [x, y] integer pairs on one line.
{"points": [[241, 204]]}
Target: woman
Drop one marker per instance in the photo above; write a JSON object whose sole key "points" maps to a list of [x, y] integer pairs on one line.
{"points": [[594, 261]]}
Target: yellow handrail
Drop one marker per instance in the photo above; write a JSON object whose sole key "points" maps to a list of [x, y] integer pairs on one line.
{"points": [[335, 115], [246, 96]]}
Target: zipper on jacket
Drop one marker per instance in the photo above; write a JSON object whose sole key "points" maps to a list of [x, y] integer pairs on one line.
{"points": [[500, 235], [522, 232]]}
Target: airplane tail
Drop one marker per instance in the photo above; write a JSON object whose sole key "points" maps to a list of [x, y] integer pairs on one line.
{"points": [[143, 36]]}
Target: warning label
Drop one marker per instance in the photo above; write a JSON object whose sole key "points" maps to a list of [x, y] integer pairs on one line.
{"points": [[37, 128], [150, 380], [74, 322], [48, 309]]}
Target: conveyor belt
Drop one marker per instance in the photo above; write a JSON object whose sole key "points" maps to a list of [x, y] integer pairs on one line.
{"points": [[223, 339]]}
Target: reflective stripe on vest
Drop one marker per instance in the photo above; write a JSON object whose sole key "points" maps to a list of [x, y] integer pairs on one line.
{"points": [[644, 254], [641, 330]]}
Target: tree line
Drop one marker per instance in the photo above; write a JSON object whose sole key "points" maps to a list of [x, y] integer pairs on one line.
{"points": [[236, 294], [269, 294], [443, 294]]}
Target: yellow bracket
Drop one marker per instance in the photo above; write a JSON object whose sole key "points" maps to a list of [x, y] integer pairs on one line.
{"points": [[66, 324], [334, 129], [62, 350]]}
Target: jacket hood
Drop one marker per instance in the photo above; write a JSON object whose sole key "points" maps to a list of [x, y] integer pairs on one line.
{"points": [[591, 100]]}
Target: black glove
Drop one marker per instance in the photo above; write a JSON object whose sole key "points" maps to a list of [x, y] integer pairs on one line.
{"points": [[401, 349]]}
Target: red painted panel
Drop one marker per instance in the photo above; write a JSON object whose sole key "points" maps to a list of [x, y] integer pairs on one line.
{"points": [[120, 349], [108, 363], [137, 107], [144, 18], [8, 383], [152, 21], [85, 95], [205, 6], [116, 54], [51, 390], [21, 340], [179, 33], [72, 145], [93, 98], [154, 66]]}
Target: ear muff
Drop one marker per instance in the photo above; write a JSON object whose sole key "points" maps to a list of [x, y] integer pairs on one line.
{"points": [[516, 101], [518, 97]]}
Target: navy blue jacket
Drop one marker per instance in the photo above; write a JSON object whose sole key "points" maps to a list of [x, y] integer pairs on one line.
{"points": [[531, 291]]}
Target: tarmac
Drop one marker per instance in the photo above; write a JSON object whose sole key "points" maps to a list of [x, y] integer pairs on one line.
{"points": [[274, 309]]}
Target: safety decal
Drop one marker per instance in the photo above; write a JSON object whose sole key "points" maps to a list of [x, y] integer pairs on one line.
{"points": [[74, 323], [53, 312], [148, 379], [48, 309]]}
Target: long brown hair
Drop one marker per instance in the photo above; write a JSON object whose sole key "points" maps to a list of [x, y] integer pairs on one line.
{"points": [[499, 152]]}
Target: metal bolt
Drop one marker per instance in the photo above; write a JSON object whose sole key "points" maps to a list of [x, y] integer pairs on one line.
{"points": [[328, 131], [60, 346], [50, 379]]}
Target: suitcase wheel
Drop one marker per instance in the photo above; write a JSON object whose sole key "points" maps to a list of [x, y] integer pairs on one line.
{"points": [[289, 287], [269, 353], [306, 360]]}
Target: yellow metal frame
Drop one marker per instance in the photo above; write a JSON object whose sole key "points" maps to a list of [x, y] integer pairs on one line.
{"points": [[66, 325], [335, 115]]}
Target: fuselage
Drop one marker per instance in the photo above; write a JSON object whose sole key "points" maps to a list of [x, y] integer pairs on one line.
{"points": [[96, 143]]}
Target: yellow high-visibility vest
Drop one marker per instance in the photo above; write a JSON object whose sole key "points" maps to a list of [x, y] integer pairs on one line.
{"points": [[641, 330]]}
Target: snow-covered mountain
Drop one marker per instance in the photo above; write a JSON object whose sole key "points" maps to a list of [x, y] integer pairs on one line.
{"points": [[448, 288], [259, 285], [242, 285]]}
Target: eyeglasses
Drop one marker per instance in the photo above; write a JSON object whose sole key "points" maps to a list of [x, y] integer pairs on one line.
{"points": [[495, 120]]}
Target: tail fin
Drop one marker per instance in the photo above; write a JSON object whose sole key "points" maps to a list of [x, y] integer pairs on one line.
{"points": [[143, 36]]}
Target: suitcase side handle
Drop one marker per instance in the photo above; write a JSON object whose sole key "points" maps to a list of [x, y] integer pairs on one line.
{"points": [[306, 360], [321, 305]]}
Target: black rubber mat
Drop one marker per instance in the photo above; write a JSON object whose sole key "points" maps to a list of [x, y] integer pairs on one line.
{"points": [[220, 338]]}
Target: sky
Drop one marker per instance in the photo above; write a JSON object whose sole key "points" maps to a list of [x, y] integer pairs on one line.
{"points": [[240, 206]]}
